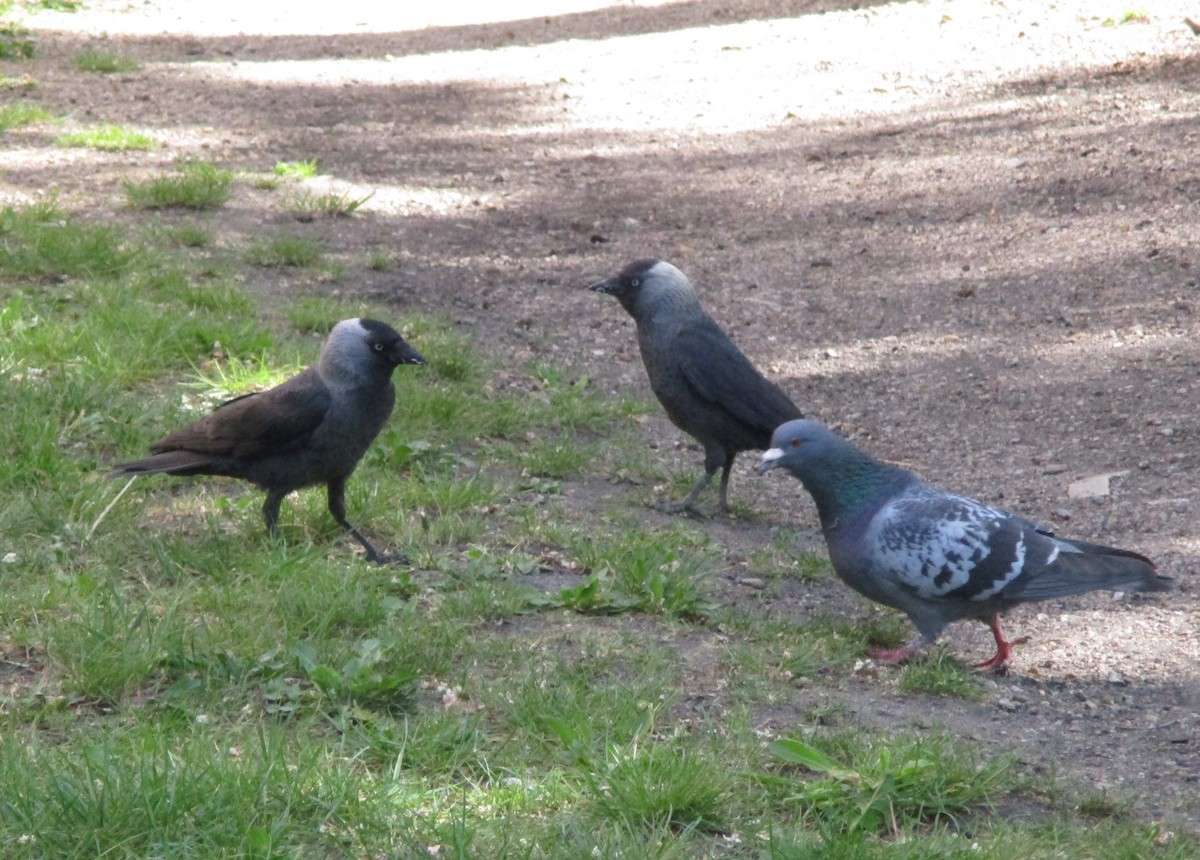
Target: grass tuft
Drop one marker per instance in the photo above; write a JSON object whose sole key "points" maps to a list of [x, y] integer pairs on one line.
{"points": [[296, 169], [107, 138], [286, 251], [20, 114], [189, 235], [15, 42], [652, 786], [876, 787], [331, 204], [195, 185], [939, 674], [39, 242], [104, 62]]}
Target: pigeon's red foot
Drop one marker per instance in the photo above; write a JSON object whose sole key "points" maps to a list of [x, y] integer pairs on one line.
{"points": [[998, 663], [896, 655]]}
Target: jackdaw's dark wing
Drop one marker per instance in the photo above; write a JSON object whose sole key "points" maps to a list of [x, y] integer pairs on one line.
{"points": [[249, 426], [722, 375]]}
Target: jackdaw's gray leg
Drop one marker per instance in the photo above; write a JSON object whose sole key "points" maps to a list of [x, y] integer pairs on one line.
{"points": [[270, 510], [723, 504], [337, 507], [688, 502]]}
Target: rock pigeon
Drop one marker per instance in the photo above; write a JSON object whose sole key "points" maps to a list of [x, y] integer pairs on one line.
{"points": [[936, 556], [311, 429], [708, 388]]}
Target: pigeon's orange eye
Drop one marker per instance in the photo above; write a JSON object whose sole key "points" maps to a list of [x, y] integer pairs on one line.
{"points": [[796, 443]]}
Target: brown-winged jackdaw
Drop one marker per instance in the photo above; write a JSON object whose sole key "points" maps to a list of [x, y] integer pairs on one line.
{"points": [[311, 429], [709, 389]]}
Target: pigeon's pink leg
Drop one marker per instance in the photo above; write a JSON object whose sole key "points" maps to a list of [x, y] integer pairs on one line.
{"points": [[898, 655], [999, 662]]}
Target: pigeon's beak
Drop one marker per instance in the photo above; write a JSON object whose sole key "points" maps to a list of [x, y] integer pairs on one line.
{"points": [[405, 354], [770, 459], [605, 287]]}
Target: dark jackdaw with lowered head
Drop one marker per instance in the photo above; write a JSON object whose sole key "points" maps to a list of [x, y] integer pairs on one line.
{"points": [[708, 388], [311, 429]]}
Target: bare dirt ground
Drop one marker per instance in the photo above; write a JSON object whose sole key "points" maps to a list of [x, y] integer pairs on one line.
{"points": [[965, 233]]}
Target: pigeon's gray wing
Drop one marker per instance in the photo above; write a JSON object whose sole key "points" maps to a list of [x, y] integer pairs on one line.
{"points": [[718, 372], [942, 546], [946, 547], [273, 421]]}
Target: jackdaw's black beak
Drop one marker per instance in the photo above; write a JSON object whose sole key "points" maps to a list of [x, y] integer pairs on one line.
{"points": [[605, 287], [405, 354]]}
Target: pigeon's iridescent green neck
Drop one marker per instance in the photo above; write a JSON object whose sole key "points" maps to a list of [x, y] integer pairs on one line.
{"points": [[848, 483]]}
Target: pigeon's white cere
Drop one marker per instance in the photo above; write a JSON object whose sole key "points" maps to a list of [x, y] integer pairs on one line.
{"points": [[771, 455]]}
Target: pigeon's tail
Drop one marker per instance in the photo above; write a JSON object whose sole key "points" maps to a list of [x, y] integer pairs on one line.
{"points": [[1082, 567], [170, 462]]}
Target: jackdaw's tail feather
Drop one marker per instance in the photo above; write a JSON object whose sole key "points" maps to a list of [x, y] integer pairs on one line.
{"points": [[170, 462]]}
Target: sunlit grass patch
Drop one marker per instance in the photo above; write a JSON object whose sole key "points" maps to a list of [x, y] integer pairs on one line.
{"points": [[17, 82], [107, 138], [18, 114], [144, 791], [634, 570], [871, 785], [303, 169], [654, 786], [330, 203]]}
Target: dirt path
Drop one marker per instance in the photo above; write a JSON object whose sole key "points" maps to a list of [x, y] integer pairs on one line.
{"points": [[966, 233]]}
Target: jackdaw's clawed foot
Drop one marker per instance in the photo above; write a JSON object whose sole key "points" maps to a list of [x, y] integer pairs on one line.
{"points": [[382, 558], [684, 507], [374, 556]]}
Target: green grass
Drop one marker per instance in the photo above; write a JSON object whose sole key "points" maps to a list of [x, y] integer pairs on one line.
{"points": [[104, 62], [286, 251], [318, 314], [18, 114], [195, 185], [38, 244], [15, 42], [107, 138], [20, 82], [296, 169], [331, 203], [936, 673], [549, 676], [864, 785], [1130, 16], [189, 235]]}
